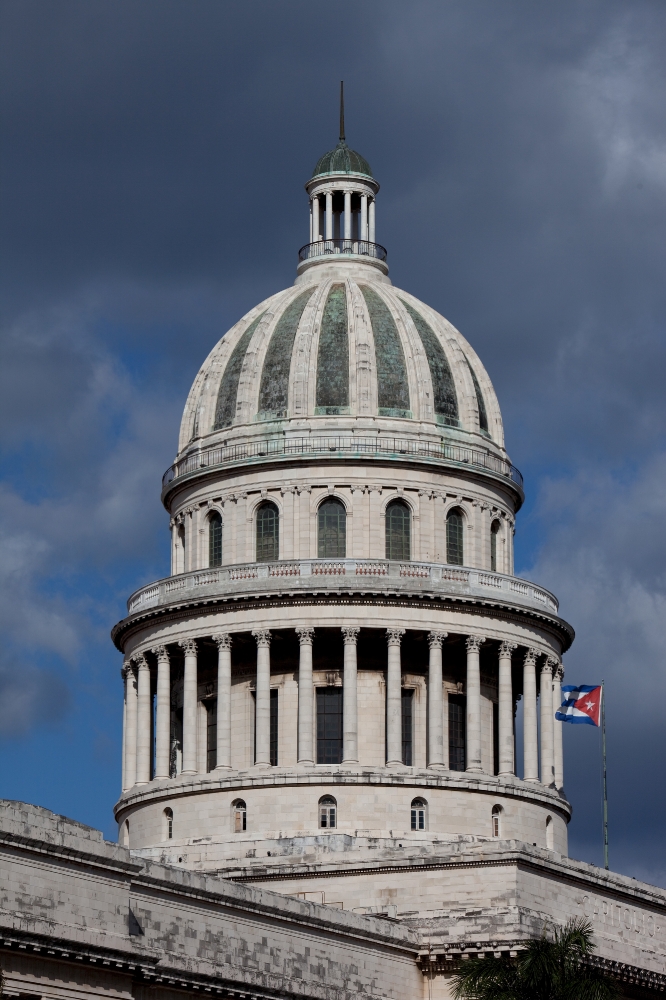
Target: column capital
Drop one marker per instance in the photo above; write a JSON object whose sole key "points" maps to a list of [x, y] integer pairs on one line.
{"points": [[507, 648], [141, 661], [305, 636], [189, 646], [548, 665], [394, 636], [435, 639], [559, 672], [531, 655], [126, 669], [474, 643], [222, 640], [262, 636], [350, 636], [554, 664], [162, 653]]}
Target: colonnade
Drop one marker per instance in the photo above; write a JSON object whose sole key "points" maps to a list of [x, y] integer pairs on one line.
{"points": [[332, 219], [137, 720]]}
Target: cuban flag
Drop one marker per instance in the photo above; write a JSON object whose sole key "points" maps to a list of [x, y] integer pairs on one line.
{"points": [[581, 704]]}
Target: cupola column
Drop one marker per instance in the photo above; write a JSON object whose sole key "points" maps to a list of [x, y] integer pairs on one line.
{"points": [[505, 710], [190, 681], [350, 698], [558, 756], [348, 216], [329, 215], [316, 225], [371, 222], [364, 217], [223, 756], [130, 726], [163, 714], [262, 710], [143, 721], [435, 716], [547, 768], [305, 696], [473, 690], [394, 697], [530, 745]]}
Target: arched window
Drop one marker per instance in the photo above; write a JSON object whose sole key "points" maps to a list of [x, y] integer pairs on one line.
{"points": [[494, 530], [124, 833], [496, 821], [215, 539], [418, 814], [239, 816], [328, 808], [168, 824], [549, 833], [332, 530], [180, 549], [268, 533], [454, 537], [398, 531]]}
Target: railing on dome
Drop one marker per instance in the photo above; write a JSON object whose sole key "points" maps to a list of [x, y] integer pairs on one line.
{"points": [[344, 446], [362, 248]]}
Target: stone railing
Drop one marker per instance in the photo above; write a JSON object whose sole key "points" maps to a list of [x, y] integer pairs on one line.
{"points": [[335, 574]]}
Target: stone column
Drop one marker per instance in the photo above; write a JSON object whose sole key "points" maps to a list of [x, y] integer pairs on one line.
{"points": [[371, 221], [505, 710], [558, 755], [130, 726], [547, 763], [329, 215], [163, 714], [364, 217], [394, 697], [305, 696], [143, 721], [435, 709], [348, 219], [316, 230], [223, 755], [262, 712], [530, 747], [473, 690], [190, 702], [349, 698]]}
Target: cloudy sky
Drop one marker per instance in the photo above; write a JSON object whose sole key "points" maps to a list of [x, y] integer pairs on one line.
{"points": [[153, 161]]}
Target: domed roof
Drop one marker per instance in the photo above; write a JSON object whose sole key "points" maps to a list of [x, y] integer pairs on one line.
{"points": [[342, 160], [343, 352]]}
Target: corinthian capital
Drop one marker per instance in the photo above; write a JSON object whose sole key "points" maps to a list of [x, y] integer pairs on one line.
{"points": [[394, 636], [162, 653], [141, 661], [222, 640], [474, 643], [305, 636], [189, 646], [507, 648], [435, 639], [531, 656], [262, 636], [548, 665], [350, 636]]}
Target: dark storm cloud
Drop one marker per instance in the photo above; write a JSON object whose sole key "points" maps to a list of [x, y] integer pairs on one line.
{"points": [[153, 158]]}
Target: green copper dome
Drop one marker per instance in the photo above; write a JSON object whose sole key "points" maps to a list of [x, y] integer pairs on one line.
{"points": [[342, 160]]}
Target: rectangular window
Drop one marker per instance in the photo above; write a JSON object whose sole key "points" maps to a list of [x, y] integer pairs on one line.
{"points": [[273, 727], [211, 734], [457, 720], [407, 726], [329, 725]]}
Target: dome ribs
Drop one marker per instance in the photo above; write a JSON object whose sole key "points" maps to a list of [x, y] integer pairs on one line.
{"points": [[443, 387], [332, 392], [274, 388], [393, 387], [227, 395], [483, 416]]}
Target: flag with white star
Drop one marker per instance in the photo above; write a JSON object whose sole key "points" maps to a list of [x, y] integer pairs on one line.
{"points": [[581, 704]]}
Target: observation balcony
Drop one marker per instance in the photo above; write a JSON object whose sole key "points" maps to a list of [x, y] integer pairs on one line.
{"points": [[353, 576], [261, 450], [357, 248]]}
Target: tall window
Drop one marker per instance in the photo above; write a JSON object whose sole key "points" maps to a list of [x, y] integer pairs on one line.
{"points": [[495, 738], [215, 539], [407, 726], [549, 833], [211, 734], [332, 541], [239, 816], [273, 735], [398, 531], [457, 710], [168, 824], [496, 821], [454, 537], [268, 533], [328, 808], [418, 814], [494, 529], [329, 725]]}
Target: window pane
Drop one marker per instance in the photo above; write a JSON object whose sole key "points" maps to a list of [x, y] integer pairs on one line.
{"points": [[332, 543], [268, 533], [274, 727], [407, 727], [454, 538], [329, 725], [211, 736], [215, 540], [398, 531], [493, 545], [457, 711]]}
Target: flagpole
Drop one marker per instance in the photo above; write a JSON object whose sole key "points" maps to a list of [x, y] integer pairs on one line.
{"points": [[603, 751]]}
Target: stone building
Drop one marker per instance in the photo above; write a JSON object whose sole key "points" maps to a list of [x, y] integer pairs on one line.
{"points": [[322, 793]]}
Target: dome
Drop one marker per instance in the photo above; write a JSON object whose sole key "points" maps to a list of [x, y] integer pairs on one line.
{"points": [[342, 160], [348, 350]]}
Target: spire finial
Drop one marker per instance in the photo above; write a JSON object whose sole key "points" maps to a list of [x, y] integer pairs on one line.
{"points": [[342, 111]]}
